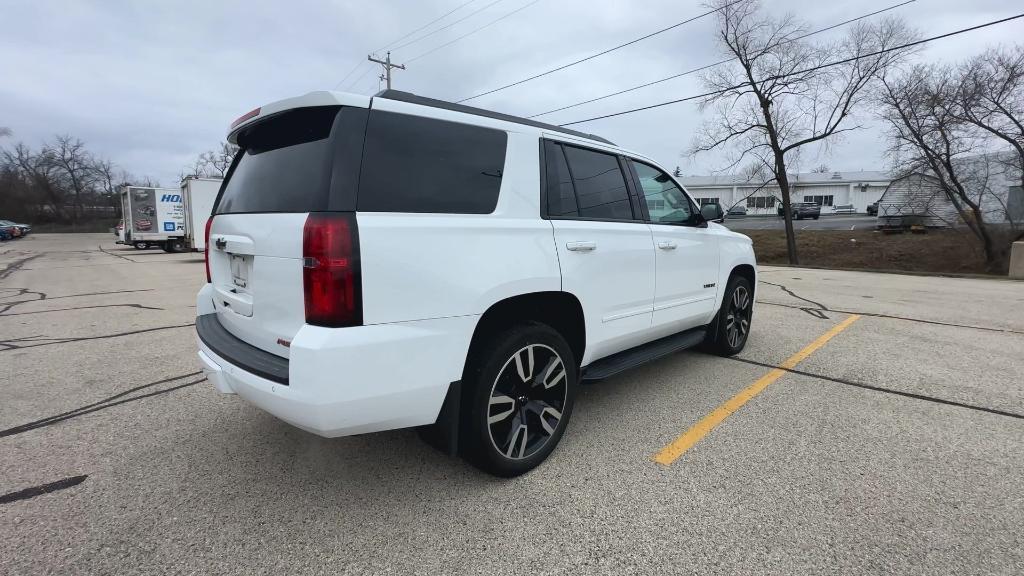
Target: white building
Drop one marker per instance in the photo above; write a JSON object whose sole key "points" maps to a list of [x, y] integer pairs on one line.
{"points": [[832, 191], [991, 180]]}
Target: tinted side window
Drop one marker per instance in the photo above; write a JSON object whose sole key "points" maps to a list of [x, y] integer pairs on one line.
{"points": [[560, 192], [665, 201], [285, 164], [600, 187], [415, 164]]}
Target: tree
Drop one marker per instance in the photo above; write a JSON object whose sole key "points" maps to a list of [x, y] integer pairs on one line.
{"points": [[780, 92], [989, 96], [821, 169], [61, 181], [76, 168], [213, 163], [963, 126], [35, 179]]}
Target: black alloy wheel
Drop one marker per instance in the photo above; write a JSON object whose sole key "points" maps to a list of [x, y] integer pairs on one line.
{"points": [[737, 319], [526, 401], [728, 334], [520, 386]]}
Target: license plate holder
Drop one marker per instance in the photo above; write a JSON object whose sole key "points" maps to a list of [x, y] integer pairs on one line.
{"points": [[241, 266]]}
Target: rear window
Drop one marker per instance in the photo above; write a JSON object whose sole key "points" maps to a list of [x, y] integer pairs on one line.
{"points": [[415, 164], [285, 164], [601, 191]]}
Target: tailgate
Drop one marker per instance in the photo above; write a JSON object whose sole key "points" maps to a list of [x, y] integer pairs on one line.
{"points": [[256, 272]]}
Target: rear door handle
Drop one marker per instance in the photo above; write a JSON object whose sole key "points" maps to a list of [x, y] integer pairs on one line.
{"points": [[667, 245], [585, 246]]}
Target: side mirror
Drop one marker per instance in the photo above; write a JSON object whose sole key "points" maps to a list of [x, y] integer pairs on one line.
{"points": [[713, 213]]}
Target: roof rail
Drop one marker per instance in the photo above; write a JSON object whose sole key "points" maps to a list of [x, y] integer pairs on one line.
{"points": [[433, 103]]}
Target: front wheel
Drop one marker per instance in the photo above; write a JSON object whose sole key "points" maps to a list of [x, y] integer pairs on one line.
{"points": [[521, 394], [141, 245], [727, 335]]}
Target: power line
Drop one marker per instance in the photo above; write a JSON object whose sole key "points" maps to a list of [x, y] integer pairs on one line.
{"points": [[435, 20], [354, 68], [495, 21], [362, 62], [445, 27], [780, 76], [602, 53], [720, 62], [360, 77]]}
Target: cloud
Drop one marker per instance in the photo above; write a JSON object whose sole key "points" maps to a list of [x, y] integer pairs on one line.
{"points": [[152, 85]]}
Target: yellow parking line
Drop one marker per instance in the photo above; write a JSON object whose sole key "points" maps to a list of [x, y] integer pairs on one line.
{"points": [[679, 446]]}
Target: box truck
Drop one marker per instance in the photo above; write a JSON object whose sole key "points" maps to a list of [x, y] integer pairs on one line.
{"points": [[153, 217], [198, 195]]}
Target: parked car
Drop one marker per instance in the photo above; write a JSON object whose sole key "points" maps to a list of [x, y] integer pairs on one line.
{"points": [[5, 234], [873, 209], [16, 230], [463, 293], [738, 210], [801, 210]]}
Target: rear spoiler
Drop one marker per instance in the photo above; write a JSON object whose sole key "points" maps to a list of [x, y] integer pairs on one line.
{"points": [[318, 98]]}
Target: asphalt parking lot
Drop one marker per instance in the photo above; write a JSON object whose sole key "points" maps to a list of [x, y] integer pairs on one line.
{"points": [[893, 442], [826, 222]]}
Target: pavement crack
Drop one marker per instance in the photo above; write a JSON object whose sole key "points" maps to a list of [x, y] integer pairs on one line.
{"points": [[817, 305], [17, 264], [881, 389], [892, 317], [116, 255], [139, 306], [5, 306], [43, 489], [10, 344], [103, 404]]}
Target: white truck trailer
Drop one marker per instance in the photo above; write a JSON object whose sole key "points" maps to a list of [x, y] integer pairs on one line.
{"points": [[198, 195], [153, 217]]}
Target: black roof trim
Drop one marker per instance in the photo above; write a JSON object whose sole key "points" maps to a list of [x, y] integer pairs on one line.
{"points": [[423, 101]]}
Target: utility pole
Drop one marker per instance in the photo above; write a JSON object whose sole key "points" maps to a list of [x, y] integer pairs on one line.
{"points": [[386, 63]]}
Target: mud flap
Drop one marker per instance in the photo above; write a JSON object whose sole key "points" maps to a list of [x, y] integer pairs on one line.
{"points": [[444, 434]]}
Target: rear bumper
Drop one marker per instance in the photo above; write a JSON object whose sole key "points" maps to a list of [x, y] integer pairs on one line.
{"points": [[350, 380]]}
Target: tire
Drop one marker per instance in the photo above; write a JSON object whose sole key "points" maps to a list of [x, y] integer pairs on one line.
{"points": [[174, 246], [721, 338], [510, 372], [815, 217], [140, 245]]}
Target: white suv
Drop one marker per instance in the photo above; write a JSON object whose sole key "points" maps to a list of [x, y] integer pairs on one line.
{"points": [[392, 261]]}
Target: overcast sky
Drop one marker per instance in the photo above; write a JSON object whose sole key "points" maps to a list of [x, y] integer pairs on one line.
{"points": [[150, 85]]}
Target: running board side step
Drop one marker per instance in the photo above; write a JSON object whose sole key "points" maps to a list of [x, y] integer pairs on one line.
{"points": [[627, 359]]}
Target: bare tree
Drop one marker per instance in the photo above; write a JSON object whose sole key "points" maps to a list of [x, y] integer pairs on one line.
{"points": [[37, 176], [962, 125], [213, 163], [781, 92], [77, 167], [989, 95]]}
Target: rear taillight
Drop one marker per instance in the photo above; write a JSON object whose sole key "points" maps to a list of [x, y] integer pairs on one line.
{"points": [[206, 249], [330, 270]]}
